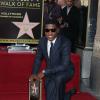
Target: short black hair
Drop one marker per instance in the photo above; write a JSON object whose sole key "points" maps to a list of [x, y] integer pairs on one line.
{"points": [[52, 21]]}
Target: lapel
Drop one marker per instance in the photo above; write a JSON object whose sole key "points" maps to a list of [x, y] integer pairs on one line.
{"points": [[45, 48], [57, 44], [65, 11], [71, 11]]}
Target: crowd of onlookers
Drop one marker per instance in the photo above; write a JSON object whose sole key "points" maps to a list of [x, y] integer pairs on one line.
{"points": [[71, 17]]}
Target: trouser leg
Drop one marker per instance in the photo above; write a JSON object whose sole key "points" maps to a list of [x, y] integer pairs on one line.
{"points": [[55, 88]]}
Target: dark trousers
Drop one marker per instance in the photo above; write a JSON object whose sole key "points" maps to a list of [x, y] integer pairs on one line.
{"points": [[55, 88], [55, 85]]}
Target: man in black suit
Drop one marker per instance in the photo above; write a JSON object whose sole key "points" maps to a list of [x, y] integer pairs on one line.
{"points": [[56, 51], [70, 25]]}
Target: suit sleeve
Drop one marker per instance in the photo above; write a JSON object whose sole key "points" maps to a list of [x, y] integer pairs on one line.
{"points": [[65, 60], [38, 59]]}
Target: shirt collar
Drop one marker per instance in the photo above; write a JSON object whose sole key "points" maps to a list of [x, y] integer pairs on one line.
{"points": [[52, 41], [69, 7]]}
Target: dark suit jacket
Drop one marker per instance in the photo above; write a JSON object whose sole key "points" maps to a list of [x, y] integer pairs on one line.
{"points": [[73, 19], [61, 57]]}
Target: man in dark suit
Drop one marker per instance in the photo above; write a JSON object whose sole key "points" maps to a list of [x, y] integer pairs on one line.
{"points": [[56, 51], [71, 19]]}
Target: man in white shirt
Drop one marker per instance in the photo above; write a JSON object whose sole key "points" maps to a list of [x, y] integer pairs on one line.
{"points": [[56, 51]]}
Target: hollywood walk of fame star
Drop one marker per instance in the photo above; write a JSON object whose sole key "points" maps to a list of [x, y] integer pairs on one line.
{"points": [[34, 89], [26, 27]]}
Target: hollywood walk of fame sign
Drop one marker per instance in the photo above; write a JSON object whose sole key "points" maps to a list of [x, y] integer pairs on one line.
{"points": [[21, 21], [26, 27]]}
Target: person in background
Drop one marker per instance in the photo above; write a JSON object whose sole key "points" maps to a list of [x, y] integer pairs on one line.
{"points": [[51, 10], [70, 22], [56, 50]]}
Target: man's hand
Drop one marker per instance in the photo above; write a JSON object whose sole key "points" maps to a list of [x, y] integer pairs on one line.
{"points": [[40, 75], [33, 77]]}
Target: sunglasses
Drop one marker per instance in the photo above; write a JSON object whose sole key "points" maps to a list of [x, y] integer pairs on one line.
{"points": [[52, 30]]}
